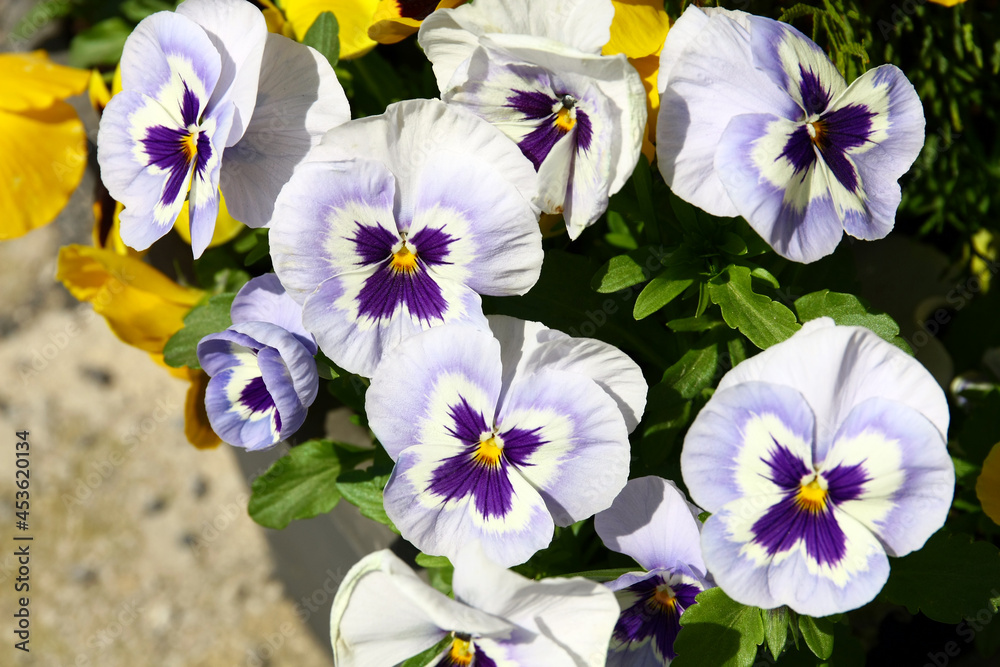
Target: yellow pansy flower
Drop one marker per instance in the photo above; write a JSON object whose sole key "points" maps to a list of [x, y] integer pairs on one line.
{"points": [[947, 3], [638, 30], [43, 147], [353, 18], [144, 308], [988, 485], [396, 19], [275, 20]]}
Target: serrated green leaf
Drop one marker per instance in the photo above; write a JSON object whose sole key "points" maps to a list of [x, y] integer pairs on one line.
{"points": [[621, 272], [847, 310], [363, 489], [692, 324], [661, 290], [322, 35], [763, 321], [694, 371], [776, 629], [424, 560], [209, 317], [301, 484], [733, 244], [818, 633], [952, 576], [719, 632], [137, 10]]}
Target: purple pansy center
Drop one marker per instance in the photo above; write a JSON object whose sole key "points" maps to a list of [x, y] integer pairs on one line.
{"points": [[257, 399], [482, 469], [556, 116], [655, 615], [177, 149], [827, 134], [806, 510], [402, 274]]}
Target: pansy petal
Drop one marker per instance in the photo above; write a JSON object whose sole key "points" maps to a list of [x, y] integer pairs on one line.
{"points": [[530, 346], [838, 367], [568, 438], [749, 575], [728, 449], [291, 411], [894, 138], [795, 63], [203, 198], [166, 51], [441, 503], [412, 395], [219, 351], [290, 117], [264, 299], [652, 522], [412, 133], [713, 61], [775, 179], [300, 362], [366, 631], [497, 247], [320, 212], [238, 31], [573, 617], [448, 36], [910, 478], [239, 408]]}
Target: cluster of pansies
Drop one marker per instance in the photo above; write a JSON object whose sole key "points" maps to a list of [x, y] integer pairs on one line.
{"points": [[818, 458]]}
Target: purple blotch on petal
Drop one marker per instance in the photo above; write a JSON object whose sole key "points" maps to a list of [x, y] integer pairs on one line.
{"points": [[189, 107], [647, 618], [843, 129], [374, 244], [584, 130], [815, 96], [519, 444]]}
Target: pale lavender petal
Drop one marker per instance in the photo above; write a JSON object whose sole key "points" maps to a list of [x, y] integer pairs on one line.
{"points": [[652, 522], [300, 362], [298, 99], [264, 299]]}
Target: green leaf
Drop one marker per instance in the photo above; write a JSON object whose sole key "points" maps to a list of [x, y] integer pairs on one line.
{"points": [[100, 44], [605, 575], [322, 36], [137, 10], [210, 317], [818, 633], [423, 659], [693, 324], [363, 489], [950, 577], [776, 629], [301, 484], [424, 560], [847, 310], [642, 179], [763, 321], [622, 272], [661, 290], [719, 632]]}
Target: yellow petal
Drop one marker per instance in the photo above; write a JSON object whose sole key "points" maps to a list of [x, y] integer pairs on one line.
{"points": [[390, 26], [226, 226], [275, 20], [107, 227], [353, 17], [143, 307], [43, 153], [948, 3], [196, 425], [988, 485], [98, 91], [31, 81], [638, 29], [985, 245]]}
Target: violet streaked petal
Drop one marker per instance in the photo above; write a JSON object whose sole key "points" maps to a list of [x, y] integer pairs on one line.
{"points": [[203, 199], [575, 444], [741, 441], [910, 478]]}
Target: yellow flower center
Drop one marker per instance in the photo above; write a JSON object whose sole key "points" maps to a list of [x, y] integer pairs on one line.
{"points": [[817, 132], [489, 451], [189, 144], [462, 651], [812, 496], [565, 119], [404, 261], [665, 597]]}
